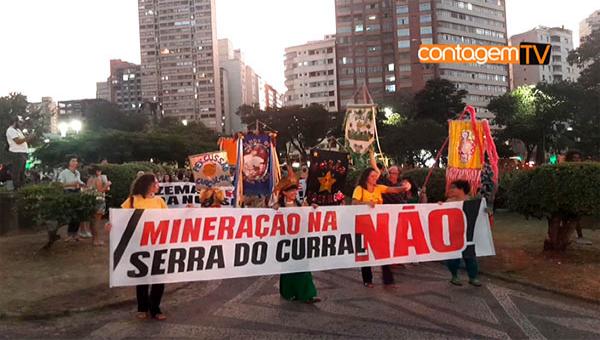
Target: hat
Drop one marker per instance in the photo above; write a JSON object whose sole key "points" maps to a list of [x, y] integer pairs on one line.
{"points": [[286, 184]]}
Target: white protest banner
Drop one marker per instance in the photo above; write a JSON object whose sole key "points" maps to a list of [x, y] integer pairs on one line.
{"points": [[180, 194], [177, 245]]}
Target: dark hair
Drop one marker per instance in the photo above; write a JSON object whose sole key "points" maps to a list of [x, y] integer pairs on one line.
{"points": [[570, 155], [141, 186], [362, 180], [414, 190], [93, 169], [462, 185], [281, 198]]}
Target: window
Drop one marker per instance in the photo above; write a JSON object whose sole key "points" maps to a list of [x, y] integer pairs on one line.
{"points": [[390, 88], [390, 67], [404, 68], [402, 9], [403, 21], [359, 28], [426, 30], [425, 7], [403, 43], [425, 18], [390, 79], [403, 32], [427, 41], [372, 49]]}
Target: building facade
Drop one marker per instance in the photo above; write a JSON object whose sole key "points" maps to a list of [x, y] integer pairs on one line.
{"points": [[179, 54], [241, 85], [558, 69], [310, 74], [588, 25], [102, 90], [377, 44]]}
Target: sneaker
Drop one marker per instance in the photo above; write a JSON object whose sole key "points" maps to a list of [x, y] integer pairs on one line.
{"points": [[455, 281], [475, 282], [583, 241]]}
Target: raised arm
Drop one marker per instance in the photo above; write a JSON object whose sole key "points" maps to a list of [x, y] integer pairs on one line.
{"points": [[373, 161]]}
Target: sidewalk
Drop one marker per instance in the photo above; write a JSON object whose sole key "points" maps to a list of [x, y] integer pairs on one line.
{"points": [[70, 277]]}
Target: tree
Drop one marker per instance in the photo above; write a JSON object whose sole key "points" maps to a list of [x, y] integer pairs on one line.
{"points": [[403, 134], [538, 115], [106, 115], [587, 120], [166, 143], [302, 128], [439, 101], [559, 193]]}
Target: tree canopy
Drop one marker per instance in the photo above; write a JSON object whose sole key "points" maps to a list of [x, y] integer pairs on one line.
{"points": [[301, 128]]}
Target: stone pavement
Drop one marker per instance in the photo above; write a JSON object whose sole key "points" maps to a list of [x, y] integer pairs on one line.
{"points": [[421, 305]]}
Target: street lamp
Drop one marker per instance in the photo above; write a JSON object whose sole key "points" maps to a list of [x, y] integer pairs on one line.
{"points": [[184, 122], [63, 127], [76, 125]]}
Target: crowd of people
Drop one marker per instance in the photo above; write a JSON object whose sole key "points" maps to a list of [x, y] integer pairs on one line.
{"points": [[373, 188]]}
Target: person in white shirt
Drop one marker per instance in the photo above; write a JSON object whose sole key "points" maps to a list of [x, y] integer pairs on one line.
{"points": [[18, 148], [70, 178]]}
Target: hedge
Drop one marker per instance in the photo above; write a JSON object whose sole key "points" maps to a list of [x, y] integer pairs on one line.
{"points": [[569, 188], [122, 175], [436, 188]]}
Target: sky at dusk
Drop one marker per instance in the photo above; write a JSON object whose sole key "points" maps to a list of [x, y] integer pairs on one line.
{"points": [[61, 48]]}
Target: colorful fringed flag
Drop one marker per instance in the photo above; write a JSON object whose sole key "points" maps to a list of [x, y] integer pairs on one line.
{"points": [[469, 142]]}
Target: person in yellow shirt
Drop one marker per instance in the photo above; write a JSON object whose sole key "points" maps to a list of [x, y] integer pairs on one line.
{"points": [[369, 192], [143, 196]]}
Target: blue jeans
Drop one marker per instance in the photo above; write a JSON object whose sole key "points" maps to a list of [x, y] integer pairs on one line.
{"points": [[470, 263]]}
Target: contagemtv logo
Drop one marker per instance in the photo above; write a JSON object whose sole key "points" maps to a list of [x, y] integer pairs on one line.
{"points": [[525, 54]]}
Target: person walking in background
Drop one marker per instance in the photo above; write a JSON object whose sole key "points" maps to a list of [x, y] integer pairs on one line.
{"points": [[458, 192], [101, 185], [369, 192], [17, 150], [575, 156], [70, 178], [143, 196]]}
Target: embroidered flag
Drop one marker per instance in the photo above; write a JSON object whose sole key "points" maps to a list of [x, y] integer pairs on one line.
{"points": [[326, 177]]}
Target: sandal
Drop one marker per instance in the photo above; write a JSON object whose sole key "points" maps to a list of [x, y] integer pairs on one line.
{"points": [[160, 317], [368, 285], [313, 300], [141, 315]]}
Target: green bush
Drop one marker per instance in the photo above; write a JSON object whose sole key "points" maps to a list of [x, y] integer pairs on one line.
{"points": [[561, 193], [48, 202], [436, 188], [122, 175], [504, 186]]}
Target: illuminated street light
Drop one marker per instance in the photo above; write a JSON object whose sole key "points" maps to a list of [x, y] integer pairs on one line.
{"points": [[388, 112], [184, 122], [76, 125], [63, 127]]}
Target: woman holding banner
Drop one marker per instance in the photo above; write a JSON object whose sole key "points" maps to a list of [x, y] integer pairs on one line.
{"points": [[294, 286], [143, 196], [369, 192]]}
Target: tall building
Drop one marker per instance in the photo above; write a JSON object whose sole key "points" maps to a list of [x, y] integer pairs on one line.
{"points": [[377, 44], [102, 90], [558, 69], [123, 86], [588, 25], [310, 74], [48, 108], [179, 56], [240, 86]]}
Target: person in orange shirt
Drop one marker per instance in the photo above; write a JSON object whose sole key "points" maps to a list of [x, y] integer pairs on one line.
{"points": [[369, 192], [143, 196]]}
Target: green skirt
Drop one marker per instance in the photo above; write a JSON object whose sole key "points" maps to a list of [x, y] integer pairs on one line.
{"points": [[297, 286]]}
